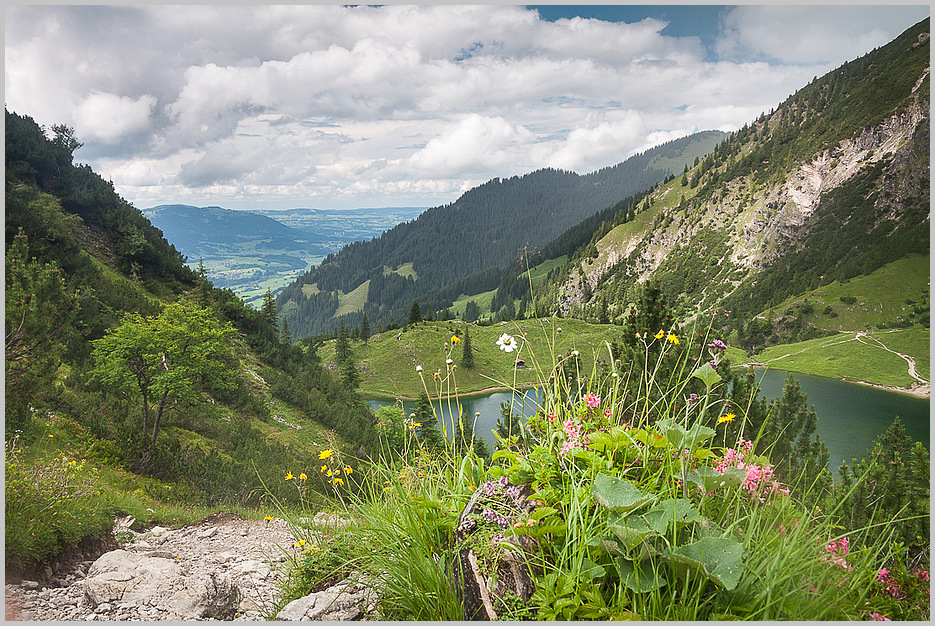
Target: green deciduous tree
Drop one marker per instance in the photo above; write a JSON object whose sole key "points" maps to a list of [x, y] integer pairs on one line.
{"points": [[166, 359]]}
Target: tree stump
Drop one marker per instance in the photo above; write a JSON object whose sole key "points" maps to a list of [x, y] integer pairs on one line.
{"points": [[493, 564]]}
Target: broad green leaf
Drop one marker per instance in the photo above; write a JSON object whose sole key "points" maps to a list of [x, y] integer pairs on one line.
{"points": [[718, 558], [639, 576], [709, 479], [678, 510], [619, 495], [591, 570], [707, 375], [657, 519], [632, 531]]}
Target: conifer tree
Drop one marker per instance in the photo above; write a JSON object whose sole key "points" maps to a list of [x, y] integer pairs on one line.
{"points": [[415, 314], [268, 309], [342, 348], [285, 337], [365, 328], [428, 431], [204, 285], [467, 354]]}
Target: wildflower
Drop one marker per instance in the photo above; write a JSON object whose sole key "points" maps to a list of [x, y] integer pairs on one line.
{"points": [[289, 476], [338, 481], [299, 543], [574, 353], [638, 336], [608, 413], [693, 398], [303, 477], [592, 400], [417, 424], [437, 376], [448, 361], [348, 470], [325, 454], [268, 518], [455, 340], [660, 334], [717, 346], [385, 489], [419, 369], [727, 417], [673, 339], [876, 617], [507, 343], [324, 468]]}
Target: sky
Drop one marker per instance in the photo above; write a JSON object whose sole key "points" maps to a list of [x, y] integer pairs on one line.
{"points": [[329, 106]]}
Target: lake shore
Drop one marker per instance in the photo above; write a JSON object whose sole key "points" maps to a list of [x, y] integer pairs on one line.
{"points": [[918, 391]]}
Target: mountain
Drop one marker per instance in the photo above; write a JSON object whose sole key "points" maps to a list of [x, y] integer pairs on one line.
{"points": [[833, 184], [487, 227], [204, 231], [249, 252]]}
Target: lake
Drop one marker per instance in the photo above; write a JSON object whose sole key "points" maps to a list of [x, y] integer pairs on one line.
{"points": [[850, 416]]}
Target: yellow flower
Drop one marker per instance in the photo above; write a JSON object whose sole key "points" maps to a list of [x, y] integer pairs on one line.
{"points": [[348, 470], [385, 489], [727, 417], [324, 468], [302, 476], [268, 518], [338, 481], [673, 339], [437, 376], [289, 476], [299, 543], [637, 335], [660, 334], [455, 340], [325, 454], [417, 424], [329, 473]]}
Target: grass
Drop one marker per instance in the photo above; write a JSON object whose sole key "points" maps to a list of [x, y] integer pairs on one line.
{"points": [[842, 356], [353, 301], [881, 297], [388, 366]]}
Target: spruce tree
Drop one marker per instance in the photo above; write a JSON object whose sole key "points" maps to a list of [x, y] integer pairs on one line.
{"points": [[285, 337], [415, 314], [467, 354], [268, 309], [342, 348], [365, 328]]}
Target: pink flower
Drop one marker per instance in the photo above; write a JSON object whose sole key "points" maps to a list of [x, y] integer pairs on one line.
{"points": [[876, 617], [608, 413], [882, 574], [592, 400]]}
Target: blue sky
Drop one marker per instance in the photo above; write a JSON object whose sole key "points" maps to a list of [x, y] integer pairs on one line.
{"points": [[330, 106]]}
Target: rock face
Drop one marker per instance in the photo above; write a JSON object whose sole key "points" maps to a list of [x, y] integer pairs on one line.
{"points": [[348, 600], [134, 579]]}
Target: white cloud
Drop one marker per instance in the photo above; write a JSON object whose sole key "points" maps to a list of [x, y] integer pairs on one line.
{"points": [[340, 106], [814, 35], [110, 118]]}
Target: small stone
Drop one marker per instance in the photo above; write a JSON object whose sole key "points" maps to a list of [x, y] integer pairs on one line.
{"points": [[210, 532], [90, 618], [103, 607], [30, 584]]}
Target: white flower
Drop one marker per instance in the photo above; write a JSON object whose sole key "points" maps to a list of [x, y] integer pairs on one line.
{"points": [[507, 343], [448, 361], [574, 353], [418, 368]]}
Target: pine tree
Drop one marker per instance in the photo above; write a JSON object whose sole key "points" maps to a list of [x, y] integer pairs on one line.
{"points": [[467, 354], [415, 314], [342, 348], [268, 309], [350, 377], [285, 337], [365, 328], [204, 285]]}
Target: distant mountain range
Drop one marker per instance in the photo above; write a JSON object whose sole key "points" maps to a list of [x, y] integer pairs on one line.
{"points": [[252, 251]]}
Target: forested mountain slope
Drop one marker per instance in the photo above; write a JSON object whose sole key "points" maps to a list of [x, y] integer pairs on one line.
{"points": [[106, 327], [485, 228], [833, 184]]}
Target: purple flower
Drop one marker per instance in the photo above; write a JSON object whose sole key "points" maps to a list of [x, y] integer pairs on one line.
{"points": [[693, 398], [717, 345]]}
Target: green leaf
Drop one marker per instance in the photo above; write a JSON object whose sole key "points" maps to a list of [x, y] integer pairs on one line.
{"points": [[639, 576], [618, 495], [709, 479], [718, 558], [707, 375], [679, 511], [633, 530]]}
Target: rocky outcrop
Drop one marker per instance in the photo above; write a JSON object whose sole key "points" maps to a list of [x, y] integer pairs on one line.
{"points": [[351, 599]]}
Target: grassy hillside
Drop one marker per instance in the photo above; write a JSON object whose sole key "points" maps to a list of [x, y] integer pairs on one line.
{"points": [[388, 365]]}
